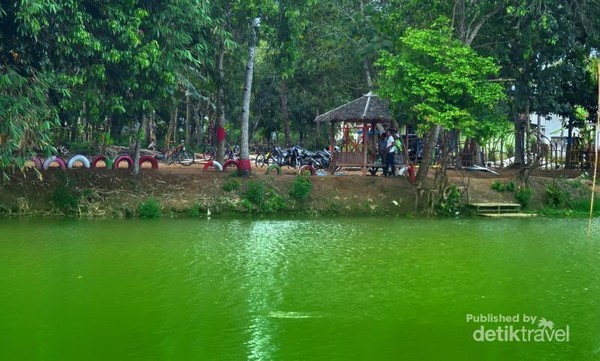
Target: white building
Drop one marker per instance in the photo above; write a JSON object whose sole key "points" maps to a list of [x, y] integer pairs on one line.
{"points": [[553, 129]]}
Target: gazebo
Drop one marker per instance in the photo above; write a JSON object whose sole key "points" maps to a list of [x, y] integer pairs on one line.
{"points": [[362, 115]]}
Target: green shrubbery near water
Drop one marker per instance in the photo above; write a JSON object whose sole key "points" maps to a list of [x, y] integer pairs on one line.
{"points": [[150, 208], [561, 201]]}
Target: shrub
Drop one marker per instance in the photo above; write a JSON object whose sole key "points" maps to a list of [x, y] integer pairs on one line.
{"points": [[81, 148], [65, 199], [510, 187], [195, 211], [582, 205], [232, 185], [301, 188], [150, 208], [274, 203], [524, 195], [255, 193], [498, 186], [557, 198], [449, 205]]}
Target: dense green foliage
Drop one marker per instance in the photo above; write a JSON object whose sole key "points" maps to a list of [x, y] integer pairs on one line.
{"points": [[231, 185], [524, 195], [501, 187], [65, 199], [300, 188], [449, 204], [150, 208], [433, 77], [497, 186], [110, 72]]}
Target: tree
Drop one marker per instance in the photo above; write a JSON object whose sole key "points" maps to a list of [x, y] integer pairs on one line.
{"points": [[441, 81], [27, 119], [244, 163]]}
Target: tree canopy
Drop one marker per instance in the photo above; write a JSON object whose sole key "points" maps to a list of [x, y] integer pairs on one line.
{"points": [[88, 72]]}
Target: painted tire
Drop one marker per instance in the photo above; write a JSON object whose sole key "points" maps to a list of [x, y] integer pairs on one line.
{"points": [[307, 168], [412, 174], [123, 158], [78, 158], [102, 158], [230, 162], [274, 166], [37, 162], [213, 163], [148, 158], [54, 159]]}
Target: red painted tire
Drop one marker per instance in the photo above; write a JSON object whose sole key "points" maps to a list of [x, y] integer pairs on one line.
{"points": [[123, 158], [54, 159], [230, 162], [307, 168], [101, 158], [150, 159], [37, 162]]}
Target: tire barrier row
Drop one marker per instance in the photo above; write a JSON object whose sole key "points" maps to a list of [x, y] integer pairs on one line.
{"points": [[305, 169], [215, 164], [229, 163], [93, 164]]}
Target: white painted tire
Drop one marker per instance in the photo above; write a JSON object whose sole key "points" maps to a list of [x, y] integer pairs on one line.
{"points": [[217, 165], [213, 163], [78, 158]]}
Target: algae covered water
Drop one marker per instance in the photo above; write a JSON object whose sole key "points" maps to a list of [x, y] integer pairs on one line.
{"points": [[307, 289]]}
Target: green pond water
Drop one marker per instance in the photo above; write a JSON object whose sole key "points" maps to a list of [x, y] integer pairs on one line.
{"points": [[307, 289]]}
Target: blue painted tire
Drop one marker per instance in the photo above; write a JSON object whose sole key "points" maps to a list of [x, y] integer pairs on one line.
{"points": [[78, 158]]}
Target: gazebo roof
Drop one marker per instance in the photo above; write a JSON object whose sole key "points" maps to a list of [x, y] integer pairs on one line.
{"points": [[368, 108]]}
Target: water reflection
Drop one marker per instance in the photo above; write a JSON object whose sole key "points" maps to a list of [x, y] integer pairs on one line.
{"points": [[266, 266]]}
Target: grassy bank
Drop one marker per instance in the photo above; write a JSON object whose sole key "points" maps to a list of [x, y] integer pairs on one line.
{"points": [[199, 194]]}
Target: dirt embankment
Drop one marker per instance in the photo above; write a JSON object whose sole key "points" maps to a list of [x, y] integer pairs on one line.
{"points": [[197, 192]]}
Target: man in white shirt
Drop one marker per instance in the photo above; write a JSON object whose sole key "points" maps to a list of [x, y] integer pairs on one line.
{"points": [[389, 156]]}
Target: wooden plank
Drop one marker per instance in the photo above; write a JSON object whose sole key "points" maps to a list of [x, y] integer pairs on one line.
{"points": [[508, 215], [495, 204]]}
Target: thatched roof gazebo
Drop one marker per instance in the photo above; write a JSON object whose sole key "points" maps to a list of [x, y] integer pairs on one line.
{"points": [[365, 112]]}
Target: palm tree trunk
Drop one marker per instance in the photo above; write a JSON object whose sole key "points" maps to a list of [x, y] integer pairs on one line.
{"points": [[198, 130], [220, 131], [188, 119], [285, 115], [244, 163], [172, 126]]}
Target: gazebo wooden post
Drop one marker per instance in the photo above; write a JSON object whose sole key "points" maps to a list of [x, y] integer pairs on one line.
{"points": [[332, 147], [375, 140], [365, 145]]}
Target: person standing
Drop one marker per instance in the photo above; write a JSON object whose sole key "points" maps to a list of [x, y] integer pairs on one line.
{"points": [[389, 156]]}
